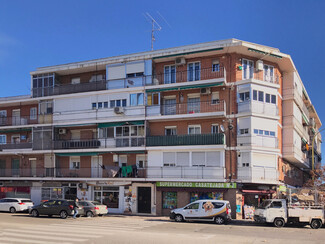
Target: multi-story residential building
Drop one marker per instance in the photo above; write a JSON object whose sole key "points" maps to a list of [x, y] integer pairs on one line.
{"points": [[151, 131]]}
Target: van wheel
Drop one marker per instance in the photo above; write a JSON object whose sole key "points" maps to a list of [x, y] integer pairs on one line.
{"points": [[63, 214], [315, 224], [179, 218], [219, 220], [278, 223], [12, 210], [34, 213], [89, 214]]}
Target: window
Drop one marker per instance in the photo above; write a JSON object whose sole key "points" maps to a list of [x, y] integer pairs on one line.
{"points": [[3, 139], [194, 129], [106, 132], [272, 133], [193, 105], [243, 131], [100, 105], [46, 107], [132, 75], [95, 78], [276, 204], [273, 99], [170, 131], [243, 96], [215, 98], [136, 99], [183, 159], [117, 103], [198, 158], [170, 74], [268, 73], [33, 114], [266, 132], [260, 96], [193, 71], [105, 104], [260, 132], [215, 129], [255, 131], [245, 164], [169, 200], [248, 69], [193, 206], [153, 99], [94, 105], [255, 95], [267, 98], [215, 66], [169, 159], [129, 135], [75, 163], [75, 80], [43, 84]]}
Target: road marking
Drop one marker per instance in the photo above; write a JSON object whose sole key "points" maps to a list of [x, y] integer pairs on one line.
{"points": [[69, 230], [13, 239], [53, 232], [16, 233]]}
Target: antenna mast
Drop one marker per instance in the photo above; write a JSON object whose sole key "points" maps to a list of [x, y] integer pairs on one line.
{"points": [[154, 27]]}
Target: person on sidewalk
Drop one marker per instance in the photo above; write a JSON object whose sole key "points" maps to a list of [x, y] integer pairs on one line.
{"points": [[76, 207]]}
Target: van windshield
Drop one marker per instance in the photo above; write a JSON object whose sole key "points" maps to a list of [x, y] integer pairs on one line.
{"points": [[264, 204]]}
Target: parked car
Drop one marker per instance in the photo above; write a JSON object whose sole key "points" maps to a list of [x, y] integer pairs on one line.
{"points": [[63, 208], [93, 208], [204, 210], [14, 205]]}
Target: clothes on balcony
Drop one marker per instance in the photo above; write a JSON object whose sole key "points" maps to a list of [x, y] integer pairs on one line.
{"points": [[129, 169], [112, 171], [124, 171]]}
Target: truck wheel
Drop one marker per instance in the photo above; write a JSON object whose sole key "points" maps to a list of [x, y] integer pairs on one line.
{"points": [[279, 223], [179, 218], [315, 224]]}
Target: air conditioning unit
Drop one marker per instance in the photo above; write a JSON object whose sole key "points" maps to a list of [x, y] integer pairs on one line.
{"points": [[180, 61], [62, 131], [119, 110], [259, 65], [205, 90]]}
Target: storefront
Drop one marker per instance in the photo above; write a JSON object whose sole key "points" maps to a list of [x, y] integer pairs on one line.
{"points": [[15, 191], [171, 195]]}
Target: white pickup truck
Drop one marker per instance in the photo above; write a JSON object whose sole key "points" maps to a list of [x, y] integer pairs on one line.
{"points": [[278, 212]]}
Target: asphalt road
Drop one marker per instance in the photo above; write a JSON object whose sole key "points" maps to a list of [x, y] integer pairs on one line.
{"points": [[20, 228]]}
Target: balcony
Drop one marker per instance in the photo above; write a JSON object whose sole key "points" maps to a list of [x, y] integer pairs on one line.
{"points": [[185, 140], [178, 172], [190, 109], [76, 144], [187, 76], [293, 93], [258, 141], [295, 156], [16, 146], [14, 121], [27, 172], [258, 174], [259, 75], [258, 107]]}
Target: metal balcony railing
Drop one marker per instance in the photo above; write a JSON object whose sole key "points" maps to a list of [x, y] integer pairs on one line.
{"points": [[180, 140], [260, 75], [19, 145], [27, 172], [75, 144], [21, 120]]}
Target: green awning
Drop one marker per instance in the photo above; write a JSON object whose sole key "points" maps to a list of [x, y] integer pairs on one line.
{"points": [[74, 125], [114, 124], [187, 53], [305, 118], [265, 53], [304, 140], [184, 87], [15, 130], [78, 154]]}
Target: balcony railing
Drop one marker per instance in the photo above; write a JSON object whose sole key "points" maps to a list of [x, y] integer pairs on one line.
{"points": [[20, 145], [260, 75], [129, 82], [256, 174], [187, 108], [258, 107], [258, 141], [182, 140], [194, 172], [100, 143], [21, 120]]}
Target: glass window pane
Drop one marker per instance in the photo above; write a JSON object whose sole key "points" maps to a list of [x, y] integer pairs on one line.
{"points": [[118, 103], [255, 95], [124, 103], [112, 103], [140, 98], [126, 131], [273, 99], [261, 96], [118, 131], [133, 99]]}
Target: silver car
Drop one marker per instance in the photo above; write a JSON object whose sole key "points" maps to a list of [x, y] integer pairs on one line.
{"points": [[93, 208]]}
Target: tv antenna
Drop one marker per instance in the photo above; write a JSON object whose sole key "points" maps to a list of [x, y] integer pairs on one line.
{"points": [[154, 27]]}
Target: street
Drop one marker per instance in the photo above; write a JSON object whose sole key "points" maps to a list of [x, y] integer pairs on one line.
{"points": [[20, 228]]}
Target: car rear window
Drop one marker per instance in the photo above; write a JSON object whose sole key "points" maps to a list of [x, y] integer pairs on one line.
{"points": [[27, 201], [83, 203]]}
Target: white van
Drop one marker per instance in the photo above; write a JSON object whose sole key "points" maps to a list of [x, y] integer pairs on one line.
{"points": [[218, 211], [14, 205]]}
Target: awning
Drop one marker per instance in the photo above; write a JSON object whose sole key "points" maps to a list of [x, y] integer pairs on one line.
{"points": [[74, 125], [304, 140], [305, 118], [264, 53], [113, 124], [15, 130], [183, 54], [258, 191], [78, 154], [184, 87]]}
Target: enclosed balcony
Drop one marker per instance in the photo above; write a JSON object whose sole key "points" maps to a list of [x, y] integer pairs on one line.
{"points": [[258, 141], [258, 174], [258, 107], [17, 120], [181, 140]]}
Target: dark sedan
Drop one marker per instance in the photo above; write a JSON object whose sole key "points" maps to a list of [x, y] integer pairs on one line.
{"points": [[63, 208]]}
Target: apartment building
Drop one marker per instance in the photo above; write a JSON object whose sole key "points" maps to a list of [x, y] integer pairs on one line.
{"points": [[147, 132]]}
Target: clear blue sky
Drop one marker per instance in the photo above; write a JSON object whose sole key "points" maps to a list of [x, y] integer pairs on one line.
{"points": [[39, 33]]}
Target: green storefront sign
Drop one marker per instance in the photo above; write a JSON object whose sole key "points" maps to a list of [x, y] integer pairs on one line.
{"points": [[197, 184]]}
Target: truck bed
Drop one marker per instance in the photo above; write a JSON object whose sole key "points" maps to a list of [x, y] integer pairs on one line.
{"points": [[305, 214]]}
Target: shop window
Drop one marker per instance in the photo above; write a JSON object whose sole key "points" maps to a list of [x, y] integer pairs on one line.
{"points": [[52, 193], [169, 200], [107, 195]]}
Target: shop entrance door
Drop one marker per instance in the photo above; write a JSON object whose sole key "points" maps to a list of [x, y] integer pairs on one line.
{"points": [[144, 199]]}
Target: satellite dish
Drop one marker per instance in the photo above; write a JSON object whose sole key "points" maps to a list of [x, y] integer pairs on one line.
{"points": [[222, 128]]}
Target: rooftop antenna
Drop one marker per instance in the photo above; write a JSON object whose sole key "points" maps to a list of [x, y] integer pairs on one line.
{"points": [[154, 27]]}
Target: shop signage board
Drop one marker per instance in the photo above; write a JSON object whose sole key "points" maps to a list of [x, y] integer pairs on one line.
{"points": [[196, 184]]}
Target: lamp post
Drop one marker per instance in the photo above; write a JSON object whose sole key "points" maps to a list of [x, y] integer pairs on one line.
{"points": [[313, 153]]}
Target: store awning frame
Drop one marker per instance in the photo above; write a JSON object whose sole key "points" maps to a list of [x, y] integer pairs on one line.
{"points": [[114, 124]]}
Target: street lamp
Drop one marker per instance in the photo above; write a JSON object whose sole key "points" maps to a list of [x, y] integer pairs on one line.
{"points": [[313, 153]]}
